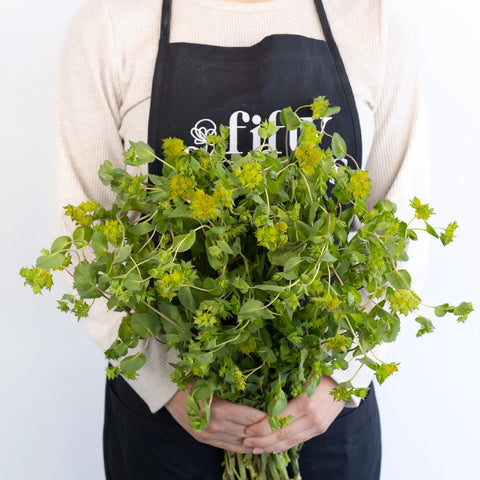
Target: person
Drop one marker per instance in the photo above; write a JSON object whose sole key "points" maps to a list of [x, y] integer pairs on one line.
{"points": [[148, 70]]}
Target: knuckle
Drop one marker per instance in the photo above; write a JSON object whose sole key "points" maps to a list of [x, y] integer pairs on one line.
{"points": [[319, 422]]}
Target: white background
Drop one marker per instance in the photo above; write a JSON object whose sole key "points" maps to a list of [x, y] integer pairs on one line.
{"points": [[51, 374]]}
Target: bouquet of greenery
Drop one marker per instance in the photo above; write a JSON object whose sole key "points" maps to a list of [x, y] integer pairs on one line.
{"points": [[249, 267]]}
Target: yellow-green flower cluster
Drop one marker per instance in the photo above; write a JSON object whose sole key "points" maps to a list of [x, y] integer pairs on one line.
{"points": [[449, 234], [310, 134], [113, 230], [181, 187], [204, 206], [223, 196], [328, 301], [173, 148], [383, 371], [359, 186], [37, 278], [248, 346], [403, 301], [133, 186], [233, 374], [272, 236], [320, 107], [422, 210], [309, 156], [338, 342], [167, 285], [204, 319], [250, 175], [82, 215]]}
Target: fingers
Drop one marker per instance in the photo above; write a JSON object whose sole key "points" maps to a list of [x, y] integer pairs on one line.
{"points": [[280, 440], [295, 409], [226, 428], [236, 414], [311, 416]]}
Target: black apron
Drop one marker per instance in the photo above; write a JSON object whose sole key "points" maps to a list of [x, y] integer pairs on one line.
{"points": [[196, 88]]}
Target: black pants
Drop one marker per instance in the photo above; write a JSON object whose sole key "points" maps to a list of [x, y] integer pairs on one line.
{"points": [[139, 445]]}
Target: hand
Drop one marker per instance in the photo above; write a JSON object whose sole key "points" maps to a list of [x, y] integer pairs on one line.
{"points": [[311, 416], [228, 421]]}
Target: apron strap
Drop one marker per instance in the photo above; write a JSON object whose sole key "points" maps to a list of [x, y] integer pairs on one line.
{"points": [[342, 73], [158, 76]]}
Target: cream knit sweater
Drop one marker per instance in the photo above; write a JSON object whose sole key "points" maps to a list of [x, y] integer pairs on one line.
{"points": [[103, 100]]}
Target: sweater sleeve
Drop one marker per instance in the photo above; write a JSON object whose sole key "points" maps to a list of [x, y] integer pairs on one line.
{"points": [[88, 121], [398, 159]]}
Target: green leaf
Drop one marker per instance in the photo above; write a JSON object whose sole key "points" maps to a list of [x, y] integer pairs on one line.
{"points": [[326, 256], [251, 308], [141, 228], [61, 244], [52, 260], [289, 119], [134, 282], [270, 288], [399, 280], [339, 147], [332, 111], [312, 386], [139, 153], [186, 298], [84, 280], [426, 324], [267, 129], [146, 324], [431, 230], [241, 284], [224, 247], [81, 236], [182, 243], [277, 404], [133, 363], [122, 254], [442, 310], [105, 172], [99, 244], [104, 281]]}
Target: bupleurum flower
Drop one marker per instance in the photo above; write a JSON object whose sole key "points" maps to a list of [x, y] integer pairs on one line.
{"points": [[181, 187], [89, 206], [384, 370], [309, 156], [113, 230], [320, 107], [338, 342], [449, 234], [204, 319], [272, 236], [422, 211], [223, 196], [204, 206], [78, 216], [310, 134], [168, 284], [359, 186], [173, 147], [250, 175], [403, 301]]}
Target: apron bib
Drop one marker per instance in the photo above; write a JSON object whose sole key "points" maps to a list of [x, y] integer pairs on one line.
{"points": [[196, 88]]}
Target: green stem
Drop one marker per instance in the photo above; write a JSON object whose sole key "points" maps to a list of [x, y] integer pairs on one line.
{"points": [[294, 454], [228, 473], [273, 468], [241, 466]]}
